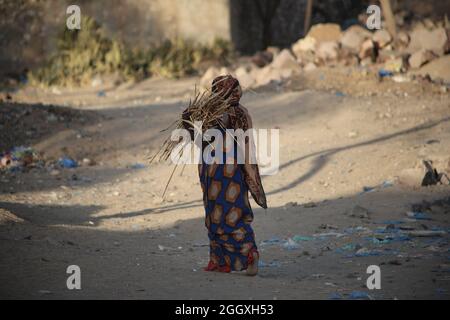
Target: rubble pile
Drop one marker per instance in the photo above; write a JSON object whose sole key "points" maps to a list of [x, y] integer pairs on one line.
{"points": [[421, 50]]}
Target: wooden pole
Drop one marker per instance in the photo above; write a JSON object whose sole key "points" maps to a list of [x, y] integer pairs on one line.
{"points": [[308, 14], [389, 17]]}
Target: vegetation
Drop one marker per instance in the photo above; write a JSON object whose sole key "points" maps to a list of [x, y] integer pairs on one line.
{"points": [[81, 54]]}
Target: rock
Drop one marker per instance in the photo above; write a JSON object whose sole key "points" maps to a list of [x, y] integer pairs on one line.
{"points": [[437, 69], [436, 40], [323, 32], [307, 44], [244, 77], [274, 51], [285, 60], [354, 36], [403, 38], [262, 58], [309, 67], [87, 162], [421, 57], [367, 49], [265, 75], [359, 212], [327, 50], [382, 38]]}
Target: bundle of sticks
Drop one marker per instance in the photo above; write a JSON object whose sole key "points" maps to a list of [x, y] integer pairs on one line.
{"points": [[207, 107]]}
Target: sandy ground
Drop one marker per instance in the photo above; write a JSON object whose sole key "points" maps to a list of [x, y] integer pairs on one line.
{"points": [[341, 132]]}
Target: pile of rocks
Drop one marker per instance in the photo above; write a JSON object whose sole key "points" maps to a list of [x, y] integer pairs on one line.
{"points": [[326, 44]]}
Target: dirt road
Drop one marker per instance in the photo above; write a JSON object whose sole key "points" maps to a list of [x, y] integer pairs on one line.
{"points": [[350, 169]]}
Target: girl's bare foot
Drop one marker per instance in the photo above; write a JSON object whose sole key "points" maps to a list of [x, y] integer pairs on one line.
{"points": [[252, 269]]}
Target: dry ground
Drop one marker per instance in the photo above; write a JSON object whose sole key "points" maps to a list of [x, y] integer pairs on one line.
{"points": [[340, 131]]}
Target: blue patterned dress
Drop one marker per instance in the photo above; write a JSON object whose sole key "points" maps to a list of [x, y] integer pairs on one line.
{"points": [[228, 215]]}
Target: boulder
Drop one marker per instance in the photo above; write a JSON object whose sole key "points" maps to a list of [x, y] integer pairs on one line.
{"points": [[285, 60], [266, 75], [307, 44], [328, 50], [421, 57], [367, 49], [354, 36], [262, 58], [437, 69], [436, 40], [382, 38], [323, 32], [310, 66]]}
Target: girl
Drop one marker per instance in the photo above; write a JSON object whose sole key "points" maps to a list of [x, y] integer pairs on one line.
{"points": [[225, 193]]}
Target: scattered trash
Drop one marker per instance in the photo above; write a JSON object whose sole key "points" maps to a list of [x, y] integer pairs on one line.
{"points": [[382, 73], [358, 229], [17, 157], [393, 222], [271, 241], [272, 264], [101, 93], [67, 163], [335, 296], [301, 238], [384, 184], [340, 94], [328, 234], [387, 240], [137, 166], [290, 244], [417, 215], [357, 295], [364, 252]]}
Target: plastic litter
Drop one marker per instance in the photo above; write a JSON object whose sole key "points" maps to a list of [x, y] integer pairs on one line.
{"points": [[357, 295], [384, 73], [17, 158], [335, 296], [137, 166], [302, 238], [384, 184], [417, 215], [271, 241], [272, 264], [290, 244], [67, 163]]}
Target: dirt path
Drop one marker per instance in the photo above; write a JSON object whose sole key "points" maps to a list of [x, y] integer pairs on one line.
{"points": [[336, 143]]}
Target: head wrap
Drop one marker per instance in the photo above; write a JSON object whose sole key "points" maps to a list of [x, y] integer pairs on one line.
{"points": [[226, 85]]}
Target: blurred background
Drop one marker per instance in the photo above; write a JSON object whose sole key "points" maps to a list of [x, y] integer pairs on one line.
{"points": [[136, 34]]}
